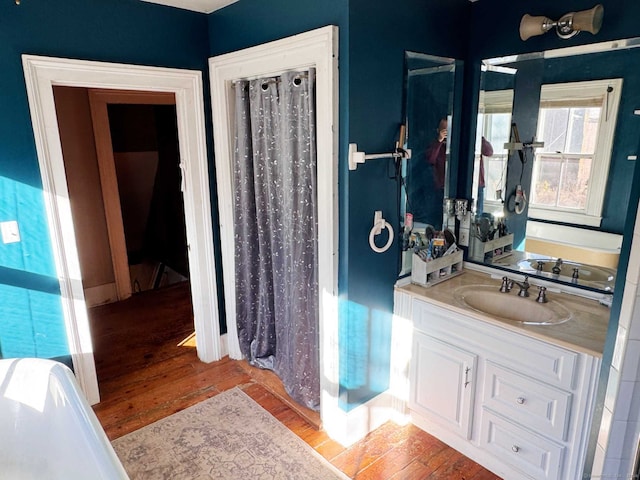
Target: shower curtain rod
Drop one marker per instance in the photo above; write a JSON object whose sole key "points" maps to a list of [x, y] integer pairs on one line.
{"points": [[270, 79]]}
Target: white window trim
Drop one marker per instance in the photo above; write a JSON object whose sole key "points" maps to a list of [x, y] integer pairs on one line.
{"points": [[592, 214], [496, 101]]}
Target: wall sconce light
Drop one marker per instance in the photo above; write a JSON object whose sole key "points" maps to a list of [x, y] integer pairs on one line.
{"points": [[568, 25]]}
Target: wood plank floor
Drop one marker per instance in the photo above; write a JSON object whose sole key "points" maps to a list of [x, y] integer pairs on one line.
{"points": [[145, 375]]}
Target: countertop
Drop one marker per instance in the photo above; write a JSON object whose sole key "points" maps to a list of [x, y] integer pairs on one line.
{"points": [[585, 332]]}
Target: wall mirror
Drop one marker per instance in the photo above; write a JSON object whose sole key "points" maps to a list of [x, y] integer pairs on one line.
{"points": [[429, 83], [556, 144]]}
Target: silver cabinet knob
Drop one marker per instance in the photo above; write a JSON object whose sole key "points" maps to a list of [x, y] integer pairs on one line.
{"points": [[520, 400], [515, 448]]}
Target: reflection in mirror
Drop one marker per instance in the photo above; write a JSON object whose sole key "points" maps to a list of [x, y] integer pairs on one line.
{"points": [[561, 186], [429, 89], [493, 127]]}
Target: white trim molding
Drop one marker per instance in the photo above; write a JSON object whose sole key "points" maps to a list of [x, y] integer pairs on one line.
{"points": [[41, 74], [605, 93], [100, 294], [317, 48], [575, 236], [352, 426]]}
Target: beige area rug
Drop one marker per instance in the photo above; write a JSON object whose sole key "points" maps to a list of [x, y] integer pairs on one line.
{"points": [[228, 436]]}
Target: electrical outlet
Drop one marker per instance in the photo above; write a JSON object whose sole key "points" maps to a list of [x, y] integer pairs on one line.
{"points": [[463, 237], [10, 232]]}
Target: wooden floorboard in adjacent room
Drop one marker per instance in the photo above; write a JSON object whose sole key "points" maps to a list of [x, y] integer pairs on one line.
{"points": [[145, 375]]}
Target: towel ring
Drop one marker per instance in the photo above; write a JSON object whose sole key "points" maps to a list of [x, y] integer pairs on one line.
{"points": [[377, 228]]}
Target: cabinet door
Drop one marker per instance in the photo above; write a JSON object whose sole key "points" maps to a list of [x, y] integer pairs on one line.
{"points": [[443, 383]]}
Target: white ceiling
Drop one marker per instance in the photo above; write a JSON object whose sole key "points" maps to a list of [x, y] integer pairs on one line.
{"points": [[203, 6]]}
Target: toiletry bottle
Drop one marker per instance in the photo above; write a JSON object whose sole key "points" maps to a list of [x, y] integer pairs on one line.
{"points": [[438, 245]]}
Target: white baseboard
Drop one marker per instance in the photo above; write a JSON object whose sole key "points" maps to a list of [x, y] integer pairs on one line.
{"points": [[100, 294], [347, 428], [224, 346]]}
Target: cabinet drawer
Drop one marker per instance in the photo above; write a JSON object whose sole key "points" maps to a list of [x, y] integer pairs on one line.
{"points": [[549, 363], [538, 406], [532, 454]]}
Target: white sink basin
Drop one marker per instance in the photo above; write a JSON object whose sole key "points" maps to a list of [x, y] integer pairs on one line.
{"points": [[509, 306]]}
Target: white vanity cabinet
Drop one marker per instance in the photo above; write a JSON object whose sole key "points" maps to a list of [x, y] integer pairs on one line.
{"points": [[518, 405], [442, 375]]}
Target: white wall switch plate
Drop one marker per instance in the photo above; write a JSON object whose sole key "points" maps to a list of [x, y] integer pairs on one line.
{"points": [[10, 232]]}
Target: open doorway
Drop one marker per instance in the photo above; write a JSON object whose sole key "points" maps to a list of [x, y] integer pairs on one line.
{"points": [[122, 165], [147, 163], [41, 74]]}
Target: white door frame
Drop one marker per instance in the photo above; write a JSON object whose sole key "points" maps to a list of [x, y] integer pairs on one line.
{"points": [[319, 49], [41, 74]]}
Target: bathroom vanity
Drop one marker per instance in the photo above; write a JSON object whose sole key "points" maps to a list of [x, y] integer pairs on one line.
{"points": [[516, 398]]}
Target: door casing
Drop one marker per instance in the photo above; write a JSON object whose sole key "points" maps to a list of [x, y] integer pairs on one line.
{"points": [[41, 74], [319, 49]]}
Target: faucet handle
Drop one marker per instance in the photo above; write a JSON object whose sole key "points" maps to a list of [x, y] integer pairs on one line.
{"points": [[506, 285], [524, 287], [542, 295]]}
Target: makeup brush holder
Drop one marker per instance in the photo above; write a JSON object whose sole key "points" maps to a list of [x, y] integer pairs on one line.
{"points": [[492, 250], [435, 271]]}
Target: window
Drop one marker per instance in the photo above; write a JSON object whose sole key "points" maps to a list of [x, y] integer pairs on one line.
{"points": [[494, 124], [576, 122]]}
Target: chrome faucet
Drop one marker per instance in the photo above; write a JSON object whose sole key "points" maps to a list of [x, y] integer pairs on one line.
{"points": [[539, 265], [556, 268], [576, 273], [542, 295], [524, 287], [507, 285]]}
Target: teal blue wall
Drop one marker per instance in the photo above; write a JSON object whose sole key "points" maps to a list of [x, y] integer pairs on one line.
{"points": [[379, 33], [127, 31], [373, 38]]}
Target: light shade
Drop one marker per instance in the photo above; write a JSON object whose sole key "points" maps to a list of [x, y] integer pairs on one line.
{"points": [[531, 26], [568, 25], [589, 20]]}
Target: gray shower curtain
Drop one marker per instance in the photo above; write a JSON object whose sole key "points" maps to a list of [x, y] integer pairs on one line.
{"points": [[276, 230]]}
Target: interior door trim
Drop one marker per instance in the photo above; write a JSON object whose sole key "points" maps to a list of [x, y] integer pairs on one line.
{"points": [[316, 48], [41, 74]]}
